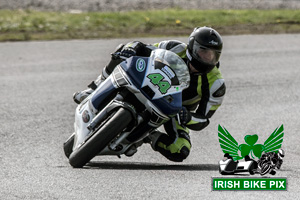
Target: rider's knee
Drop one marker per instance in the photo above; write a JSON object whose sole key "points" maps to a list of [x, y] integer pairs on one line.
{"points": [[179, 157], [176, 151]]}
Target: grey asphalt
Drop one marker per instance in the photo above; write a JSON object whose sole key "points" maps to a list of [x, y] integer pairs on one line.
{"points": [[37, 80]]}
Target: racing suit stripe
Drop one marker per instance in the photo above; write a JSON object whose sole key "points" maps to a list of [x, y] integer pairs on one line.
{"points": [[213, 75], [195, 120], [185, 129], [214, 107]]}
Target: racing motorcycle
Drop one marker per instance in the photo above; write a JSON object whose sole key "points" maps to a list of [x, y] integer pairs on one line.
{"points": [[270, 161], [140, 95]]}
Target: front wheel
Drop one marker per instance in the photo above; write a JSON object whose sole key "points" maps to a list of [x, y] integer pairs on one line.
{"points": [[68, 145], [96, 143], [266, 167]]}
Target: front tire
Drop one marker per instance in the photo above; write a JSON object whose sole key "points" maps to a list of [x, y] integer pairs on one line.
{"points": [[96, 143], [68, 145], [265, 169]]}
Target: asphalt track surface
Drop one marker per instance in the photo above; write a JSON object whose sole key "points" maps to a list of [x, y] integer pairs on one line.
{"points": [[37, 80]]}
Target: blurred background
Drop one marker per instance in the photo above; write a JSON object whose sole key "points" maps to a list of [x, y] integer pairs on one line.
{"points": [[128, 5], [24, 20]]}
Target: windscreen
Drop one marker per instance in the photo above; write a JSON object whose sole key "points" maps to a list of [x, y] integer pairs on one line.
{"points": [[174, 65]]}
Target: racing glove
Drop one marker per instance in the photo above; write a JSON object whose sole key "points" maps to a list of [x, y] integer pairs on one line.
{"points": [[136, 48], [184, 116], [127, 52]]}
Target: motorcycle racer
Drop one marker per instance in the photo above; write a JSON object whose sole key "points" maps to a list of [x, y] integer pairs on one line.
{"points": [[200, 100]]}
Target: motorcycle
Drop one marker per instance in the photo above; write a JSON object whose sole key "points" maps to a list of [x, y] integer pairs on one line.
{"points": [[140, 95], [270, 162]]}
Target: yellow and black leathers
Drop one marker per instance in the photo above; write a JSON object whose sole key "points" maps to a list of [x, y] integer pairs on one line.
{"points": [[202, 98]]}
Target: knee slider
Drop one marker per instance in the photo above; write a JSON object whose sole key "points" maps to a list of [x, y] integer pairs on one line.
{"points": [[179, 157], [184, 152], [177, 150]]}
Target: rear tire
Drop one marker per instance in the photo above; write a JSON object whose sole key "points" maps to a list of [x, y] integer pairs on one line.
{"points": [[96, 143]]}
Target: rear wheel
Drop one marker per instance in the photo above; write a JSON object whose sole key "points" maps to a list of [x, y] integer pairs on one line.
{"points": [[97, 142]]}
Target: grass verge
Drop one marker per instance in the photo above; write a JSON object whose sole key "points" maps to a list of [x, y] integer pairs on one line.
{"points": [[21, 25]]}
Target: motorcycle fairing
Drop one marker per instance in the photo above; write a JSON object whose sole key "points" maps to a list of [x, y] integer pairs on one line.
{"points": [[80, 125], [135, 68], [167, 99], [102, 92]]}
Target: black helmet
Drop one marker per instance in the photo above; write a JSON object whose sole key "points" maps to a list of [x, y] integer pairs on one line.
{"points": [[204, 49]]}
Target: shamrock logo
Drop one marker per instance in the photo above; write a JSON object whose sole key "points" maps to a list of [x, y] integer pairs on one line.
{"points": [[251, 147], [229, 144]]}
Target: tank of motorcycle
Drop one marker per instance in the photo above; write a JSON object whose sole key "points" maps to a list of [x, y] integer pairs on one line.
{"points": [[161, 78]]}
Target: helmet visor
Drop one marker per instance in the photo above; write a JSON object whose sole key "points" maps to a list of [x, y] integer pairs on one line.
{"points": [[205, 55]]}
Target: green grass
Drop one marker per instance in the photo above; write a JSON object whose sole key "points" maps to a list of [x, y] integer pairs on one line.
{"points": [[35, 25]]}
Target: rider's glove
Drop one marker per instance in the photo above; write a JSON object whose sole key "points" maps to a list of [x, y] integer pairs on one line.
{"points": [[184, 116], [127, 52]]}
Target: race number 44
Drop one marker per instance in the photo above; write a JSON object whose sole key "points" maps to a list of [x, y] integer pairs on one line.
{"points": [[157, 79]]}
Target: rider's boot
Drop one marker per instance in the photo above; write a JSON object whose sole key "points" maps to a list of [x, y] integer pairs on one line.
{"points": [[78, 97]]}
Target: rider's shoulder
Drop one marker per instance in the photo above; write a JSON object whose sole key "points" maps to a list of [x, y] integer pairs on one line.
{"points": [[217, 83], [215, 74], [171, 45]]}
